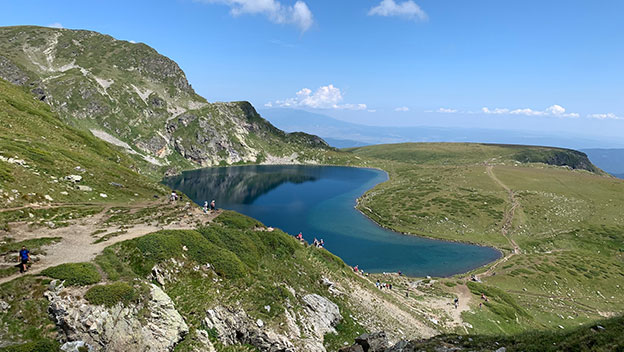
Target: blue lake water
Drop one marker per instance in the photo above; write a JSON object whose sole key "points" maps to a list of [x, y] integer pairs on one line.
{"points": [[319, 202]]}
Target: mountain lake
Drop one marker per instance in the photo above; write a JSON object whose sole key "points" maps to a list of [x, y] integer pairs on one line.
{"points": [[319, 201]]}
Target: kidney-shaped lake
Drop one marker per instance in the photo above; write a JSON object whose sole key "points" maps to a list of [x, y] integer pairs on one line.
{"points": [[319, 202]]}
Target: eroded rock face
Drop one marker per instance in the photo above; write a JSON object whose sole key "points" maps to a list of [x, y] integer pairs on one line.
{"points": [[235, 327], [303, 331], [154, 325]]}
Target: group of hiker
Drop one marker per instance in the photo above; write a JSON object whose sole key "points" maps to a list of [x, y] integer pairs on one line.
{"points": [[212, 206], [382, 285], [317, 243]]}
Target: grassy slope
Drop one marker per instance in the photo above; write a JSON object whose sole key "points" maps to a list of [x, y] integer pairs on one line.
{"points": [[569, 226], [52, 150]]}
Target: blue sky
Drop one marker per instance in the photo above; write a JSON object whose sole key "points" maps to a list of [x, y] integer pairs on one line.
{"points": [[538, 65]]}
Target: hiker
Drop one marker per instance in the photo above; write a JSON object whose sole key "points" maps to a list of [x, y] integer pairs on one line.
{"points": [[213, 205], [321, 243], [400, 273], [299, 237], [390, 286], [456, 302], [316, 242], [24, 257], [407, 293], [378, 284], [173, 197], [205, 207], [356, 269]]}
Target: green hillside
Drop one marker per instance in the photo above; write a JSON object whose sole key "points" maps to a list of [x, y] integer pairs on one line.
{"points": [[560, 227], [38, 152]]}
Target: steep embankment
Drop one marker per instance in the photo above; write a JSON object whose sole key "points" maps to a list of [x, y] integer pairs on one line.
{"points": [[128, 94]]}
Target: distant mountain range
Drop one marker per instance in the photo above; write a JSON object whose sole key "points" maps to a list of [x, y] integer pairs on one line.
{"points": [[343, 134]]}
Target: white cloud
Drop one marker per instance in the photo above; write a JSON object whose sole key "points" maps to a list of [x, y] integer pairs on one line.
{"points": [[447, 110], [554, 110], [371, 110], [407, 9], [56, 25], [132, 41], [402, 109], [325, 97], [298, 14], [607, 116]]}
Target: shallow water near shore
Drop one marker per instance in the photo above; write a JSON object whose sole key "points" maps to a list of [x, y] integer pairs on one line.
{"points": [[319, 202]]}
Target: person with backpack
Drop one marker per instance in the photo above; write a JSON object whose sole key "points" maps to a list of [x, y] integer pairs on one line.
{"points": [[24, 257]]}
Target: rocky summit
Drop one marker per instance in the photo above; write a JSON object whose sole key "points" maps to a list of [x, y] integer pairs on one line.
{"points": [[129, 95]]}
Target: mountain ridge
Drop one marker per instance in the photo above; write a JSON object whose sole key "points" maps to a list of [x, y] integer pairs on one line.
{"points": [[131, 92]]}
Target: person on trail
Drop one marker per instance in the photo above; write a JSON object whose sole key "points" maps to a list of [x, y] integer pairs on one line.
{"points": [[173, 197], [299, 237], [315, 242], [456, 302], [205, 207], [356, 269], [213, 205], [321, 243], [24, 257]]}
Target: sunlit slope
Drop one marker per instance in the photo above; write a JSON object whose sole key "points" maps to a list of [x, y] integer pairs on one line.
{"points": [[38, 151], [561, 228]]}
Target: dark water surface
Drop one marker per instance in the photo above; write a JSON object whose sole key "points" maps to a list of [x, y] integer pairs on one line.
{"points": [[319, 201]]}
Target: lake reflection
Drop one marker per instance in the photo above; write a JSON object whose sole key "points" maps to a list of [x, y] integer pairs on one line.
{"points": [[319, 202]]}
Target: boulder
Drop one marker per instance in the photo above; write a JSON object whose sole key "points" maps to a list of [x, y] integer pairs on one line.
{"points": [[374, 342]]}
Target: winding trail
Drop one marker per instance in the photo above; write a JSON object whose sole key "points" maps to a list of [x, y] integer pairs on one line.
{"points": [[77, 242], [507, 222]]}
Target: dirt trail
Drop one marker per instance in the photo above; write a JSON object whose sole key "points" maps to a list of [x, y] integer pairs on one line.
{"points": [[507, 222], [77, 240]]}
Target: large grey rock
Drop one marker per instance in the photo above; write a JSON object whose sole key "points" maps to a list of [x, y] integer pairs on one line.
{"points": [[322, 314], [234, 326], [374, 342], [118, 328]]}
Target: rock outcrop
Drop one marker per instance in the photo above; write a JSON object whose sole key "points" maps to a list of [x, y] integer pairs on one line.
{"points": [[153, 325], [302, 332]]}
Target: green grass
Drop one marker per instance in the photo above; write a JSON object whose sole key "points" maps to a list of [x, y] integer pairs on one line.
{"points": [[600, 336], [35, 346], [74, 274], [27, 318], [236, 220], [111, 294]]}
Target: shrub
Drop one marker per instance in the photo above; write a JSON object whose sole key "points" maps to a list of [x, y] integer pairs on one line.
{"points": [[144, 252], [110, 295], [74, 274]]}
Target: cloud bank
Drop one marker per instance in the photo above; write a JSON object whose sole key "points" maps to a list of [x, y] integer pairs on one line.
{"points": [[607, 116], [56, 25], [325, 97], [407, 9], [553, 110], [298, 14]]}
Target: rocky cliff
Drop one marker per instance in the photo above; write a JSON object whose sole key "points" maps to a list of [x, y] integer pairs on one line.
{"points": [[130, 95]]}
